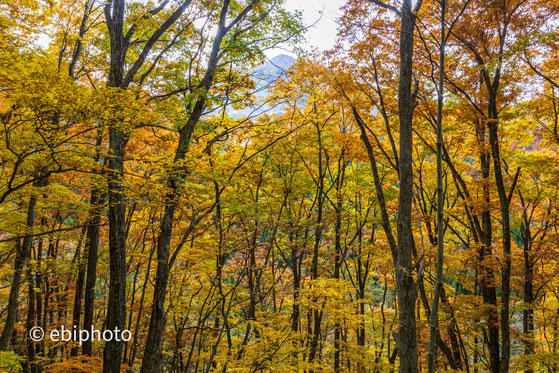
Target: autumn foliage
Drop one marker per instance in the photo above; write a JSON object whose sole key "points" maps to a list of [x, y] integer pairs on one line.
{"points": [[154, 179]]}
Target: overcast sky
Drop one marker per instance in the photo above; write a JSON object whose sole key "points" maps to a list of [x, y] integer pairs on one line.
{"points": [[323, 34]]}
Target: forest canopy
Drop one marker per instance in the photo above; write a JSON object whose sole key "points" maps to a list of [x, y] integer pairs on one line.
{"points": [[177, 197]]}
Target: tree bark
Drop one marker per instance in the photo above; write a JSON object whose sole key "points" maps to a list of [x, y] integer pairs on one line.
{"points": [[487, 278], [116, 307], [406, 288]]}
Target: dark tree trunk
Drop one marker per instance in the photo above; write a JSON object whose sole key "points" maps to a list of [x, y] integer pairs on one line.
{"points": [[338, 255], [30, 322], [91, 248], [486, 271], [116, 308], [77, 309], [433, 322], [504, 202], [317, 313], [296, 273], [406, 289], [152, 359], [528, 311], [22, 254], [39, 346]]}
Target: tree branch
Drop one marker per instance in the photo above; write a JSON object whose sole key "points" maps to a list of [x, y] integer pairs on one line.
{"points": [[387, 6]]}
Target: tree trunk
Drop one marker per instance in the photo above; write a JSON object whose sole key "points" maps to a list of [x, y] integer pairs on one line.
{"points": [[91, 247], [317, 313], [504, 202], [152, 359], [487, 277], [433, 322], [116, 308], [22, 254], [77, 309], [528, 311], [30, 322], [338, 255], [406, 289]]}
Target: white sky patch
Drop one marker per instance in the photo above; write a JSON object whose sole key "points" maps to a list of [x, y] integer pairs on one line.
{"points": [[322, 35], [321, 14]]}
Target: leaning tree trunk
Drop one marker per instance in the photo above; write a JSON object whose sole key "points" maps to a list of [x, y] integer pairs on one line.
{"points": [[22, 254], [152, 357]]}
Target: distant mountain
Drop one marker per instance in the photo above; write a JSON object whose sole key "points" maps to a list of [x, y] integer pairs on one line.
{"points": [[264, 76], [274, 68]]}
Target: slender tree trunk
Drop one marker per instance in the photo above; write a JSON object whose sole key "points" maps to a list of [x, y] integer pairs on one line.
{"points": [[433, 322], [505, 224], [77, 309], [295, 311], [30, 322], [22, 254], [9, 324], [91, 248], [317, 313], [528, 311], [140, 311], [39, 346], [338, 255]]}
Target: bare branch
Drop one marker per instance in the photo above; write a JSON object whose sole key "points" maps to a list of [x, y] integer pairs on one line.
{"points": [[386, 6]]}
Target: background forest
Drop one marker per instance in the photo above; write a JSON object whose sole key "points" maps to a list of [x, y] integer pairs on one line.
{"points": [[388, 205]]}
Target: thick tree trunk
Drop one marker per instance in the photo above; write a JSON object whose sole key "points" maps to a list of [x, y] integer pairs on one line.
{"points": [[487, 281], [152, 355], [116, 308], [406, 289]]}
